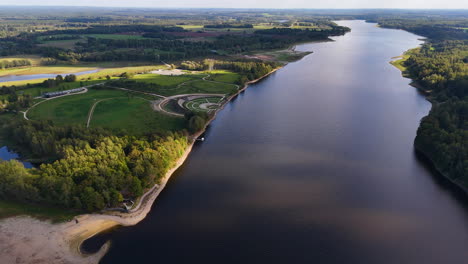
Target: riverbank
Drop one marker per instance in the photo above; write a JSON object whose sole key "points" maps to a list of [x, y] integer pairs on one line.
{"points": [[28, 240], [427, 94]]}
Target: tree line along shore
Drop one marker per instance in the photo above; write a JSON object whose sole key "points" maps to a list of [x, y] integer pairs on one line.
{"points": [[244, 50], [89, 169], [439, 69]]}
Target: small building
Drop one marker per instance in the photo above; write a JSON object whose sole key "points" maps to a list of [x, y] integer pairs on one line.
{"points": [[60, 93]]}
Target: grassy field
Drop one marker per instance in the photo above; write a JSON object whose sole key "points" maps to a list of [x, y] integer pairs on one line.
{"points": [[400, 60], [198, 86], [117, 110], [191, 83], [114, 72], [209, 87], [71, 109], [35, 91], [282, 56], [9, 209], [399, 63], [224, 76], [135, 115], [165, 80]]}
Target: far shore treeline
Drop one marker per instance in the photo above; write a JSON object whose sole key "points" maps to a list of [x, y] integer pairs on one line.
{"points": [[88, 169], [440, 69]]}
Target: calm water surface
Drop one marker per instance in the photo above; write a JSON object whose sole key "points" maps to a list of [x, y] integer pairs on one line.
{"points": [[315, 164], [7, 154]]}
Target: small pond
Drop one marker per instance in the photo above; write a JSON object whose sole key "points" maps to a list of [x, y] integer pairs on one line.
{"points": [[7, 154]]}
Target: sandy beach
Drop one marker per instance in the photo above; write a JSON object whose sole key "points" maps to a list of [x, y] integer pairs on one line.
{"points": [[27, 240]]}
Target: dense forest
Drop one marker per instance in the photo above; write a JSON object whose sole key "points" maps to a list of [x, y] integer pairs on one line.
{"points": [[88, 169], [440, 69], [159, 43]]}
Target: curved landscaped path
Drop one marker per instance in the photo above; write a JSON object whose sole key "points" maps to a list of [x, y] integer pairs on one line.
{"points": [[91, 112], [25, 113], [157, 105]]}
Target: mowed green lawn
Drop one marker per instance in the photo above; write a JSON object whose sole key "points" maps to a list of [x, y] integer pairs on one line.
{"points": [[190, 83], [224, 76], [211, 87], [197, 87], [71, 109], [38, 90], [135, 115], [165, 80]]}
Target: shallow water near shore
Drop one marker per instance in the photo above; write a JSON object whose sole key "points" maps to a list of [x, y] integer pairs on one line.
{"points": [[11, 78], [7, 154], [314, 164]]}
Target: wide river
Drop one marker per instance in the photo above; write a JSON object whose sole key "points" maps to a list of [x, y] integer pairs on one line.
{"points": [[315, 164]]}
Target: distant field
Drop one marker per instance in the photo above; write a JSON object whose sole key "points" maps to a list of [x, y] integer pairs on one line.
{"points": [[114, 72], [135, 115]]}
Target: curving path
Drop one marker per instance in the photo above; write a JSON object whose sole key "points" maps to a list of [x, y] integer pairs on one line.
{"points": [[159, 105], [25, 113], [91, 111]]}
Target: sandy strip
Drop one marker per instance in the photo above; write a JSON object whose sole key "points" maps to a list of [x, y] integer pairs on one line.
{"points": [[27, 240]]}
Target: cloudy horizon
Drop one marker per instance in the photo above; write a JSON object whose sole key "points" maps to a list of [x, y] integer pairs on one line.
{"points": [[270, 4]]}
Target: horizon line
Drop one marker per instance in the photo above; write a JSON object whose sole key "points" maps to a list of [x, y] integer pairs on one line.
{"points": [[243, 8]]}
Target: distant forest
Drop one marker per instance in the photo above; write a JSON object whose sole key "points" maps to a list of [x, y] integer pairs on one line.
{"points": [[440, 68]]}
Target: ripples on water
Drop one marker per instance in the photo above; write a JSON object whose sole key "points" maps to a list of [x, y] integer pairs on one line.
{"points": [[315, 164]]}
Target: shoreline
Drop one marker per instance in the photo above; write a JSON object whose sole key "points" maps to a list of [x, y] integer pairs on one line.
{"points": [[429, 161], [45, 242]]}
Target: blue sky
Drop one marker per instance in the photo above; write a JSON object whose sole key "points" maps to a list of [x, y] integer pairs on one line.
{"points": [[452, 4]]}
